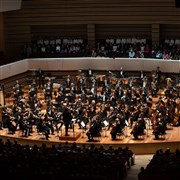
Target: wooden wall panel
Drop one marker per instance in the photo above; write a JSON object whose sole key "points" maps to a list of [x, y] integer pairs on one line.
{"points": [[91, 35], [61, 31], [1, 33], [155, 34], [19, 24], [170, 31], [123, 30]]}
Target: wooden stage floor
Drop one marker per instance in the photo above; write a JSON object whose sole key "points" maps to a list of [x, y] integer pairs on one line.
{"points": [[147, 145]]}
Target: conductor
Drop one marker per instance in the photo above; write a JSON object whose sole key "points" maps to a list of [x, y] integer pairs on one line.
{"points": [[66, 119]]}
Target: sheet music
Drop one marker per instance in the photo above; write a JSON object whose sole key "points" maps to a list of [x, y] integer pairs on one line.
{"points": [[126, 122], [106, 123], [83, 124]]}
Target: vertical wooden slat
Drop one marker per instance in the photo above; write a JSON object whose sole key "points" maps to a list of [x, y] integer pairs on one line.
{"points": [[91, 35], [139, 14], [155, 34], [1, 33]]}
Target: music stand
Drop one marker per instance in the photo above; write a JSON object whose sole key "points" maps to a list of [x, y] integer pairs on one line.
{"points": [[73, 120], [105, 124], [83, 125], [148, 123], [127, 125], [60, 131]]}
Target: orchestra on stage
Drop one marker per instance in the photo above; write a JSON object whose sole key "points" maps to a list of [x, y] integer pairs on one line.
{"points": [[96, 103]]}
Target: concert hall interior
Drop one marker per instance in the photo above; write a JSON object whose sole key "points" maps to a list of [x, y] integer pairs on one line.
{"points": [[90, 89]]}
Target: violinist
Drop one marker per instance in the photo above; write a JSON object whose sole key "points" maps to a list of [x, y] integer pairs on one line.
{"points": [[49, 122], [24, 126], [158, 74], [48, 91], [32, 89], [111, 117], [42, 128], [121, 73], [8, 120], [41, 77], [68, 82], [134, 115], [154, 87], [83, 118], [17, 88]]}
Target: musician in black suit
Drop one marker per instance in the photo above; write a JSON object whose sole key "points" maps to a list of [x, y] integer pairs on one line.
{"points": [[158, 74], [94, 130], [118, 128], [67, 117], [121, 73], [41, 77], [159, 129], [23, 125], [17, 88], [139, 127]]}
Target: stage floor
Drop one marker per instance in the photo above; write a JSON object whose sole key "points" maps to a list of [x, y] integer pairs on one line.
{"points": [[147, 145]]}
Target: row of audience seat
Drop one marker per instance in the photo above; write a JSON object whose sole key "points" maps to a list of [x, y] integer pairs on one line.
{"points": [[64, 161], [164, 165]]}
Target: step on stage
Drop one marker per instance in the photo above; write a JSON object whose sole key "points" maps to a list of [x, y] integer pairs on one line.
{"points": [[145, 145]]}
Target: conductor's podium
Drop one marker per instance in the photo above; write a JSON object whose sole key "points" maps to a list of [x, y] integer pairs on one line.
{"points": [[73, 136]]}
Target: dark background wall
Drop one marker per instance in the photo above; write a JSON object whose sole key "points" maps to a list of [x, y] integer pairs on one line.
{"points": [[89, 19]]}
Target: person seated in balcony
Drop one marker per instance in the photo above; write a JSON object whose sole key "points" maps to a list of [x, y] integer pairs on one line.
{"points": [[139, 54], [131, 53], [159, 55], [93, 53]]}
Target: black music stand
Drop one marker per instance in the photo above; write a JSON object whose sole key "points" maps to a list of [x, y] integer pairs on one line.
{"points": [[105, 127], [83, 125], [126, 131], [73, 121], [148, 123]]}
